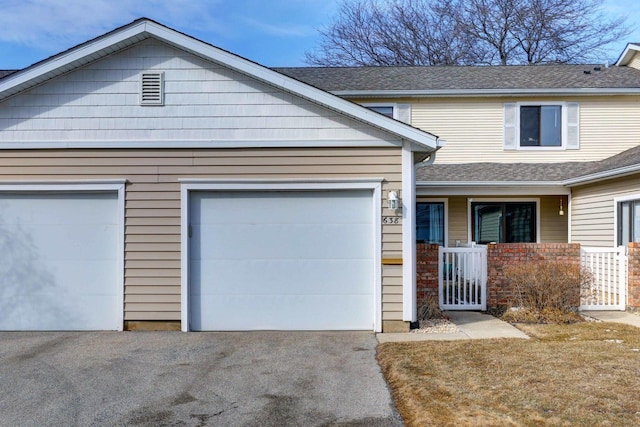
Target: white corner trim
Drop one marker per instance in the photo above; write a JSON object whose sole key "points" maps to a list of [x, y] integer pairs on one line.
{"points": [[189, 185], [86, 187], [409, 308]]}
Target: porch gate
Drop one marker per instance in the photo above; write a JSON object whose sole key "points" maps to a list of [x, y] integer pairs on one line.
{"points": [[608, 290], [462, 278]]}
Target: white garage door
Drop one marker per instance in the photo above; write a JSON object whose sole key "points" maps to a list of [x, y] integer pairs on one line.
{"points": [[281, 260], [58, 269]]}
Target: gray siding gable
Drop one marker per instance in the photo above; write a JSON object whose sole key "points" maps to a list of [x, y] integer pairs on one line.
{"points": [[204, 101]]}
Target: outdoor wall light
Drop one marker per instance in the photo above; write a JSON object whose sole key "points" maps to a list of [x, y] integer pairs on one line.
{"points": [[393, 200], [561, 212]]}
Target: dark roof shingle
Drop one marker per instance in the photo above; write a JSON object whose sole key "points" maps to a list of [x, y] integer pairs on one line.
{"points": [[510, 77], [525, 172], [5, 73]]}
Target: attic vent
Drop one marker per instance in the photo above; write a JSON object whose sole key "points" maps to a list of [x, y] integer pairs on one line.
{"points": [[151, 89]]}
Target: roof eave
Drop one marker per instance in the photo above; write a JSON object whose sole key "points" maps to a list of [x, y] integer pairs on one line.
{"points": [[488, 183], [490, 188], [601, 176], [484, 92], [627, 54], [74, 58]]}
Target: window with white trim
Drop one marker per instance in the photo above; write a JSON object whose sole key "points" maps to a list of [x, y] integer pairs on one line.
{"points": [[401, 112], [537, 126], [503, 222], [628, 221], [430, 222]]}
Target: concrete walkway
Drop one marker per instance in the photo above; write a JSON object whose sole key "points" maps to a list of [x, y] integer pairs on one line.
{"points": [[472, 325], [615, 317]]}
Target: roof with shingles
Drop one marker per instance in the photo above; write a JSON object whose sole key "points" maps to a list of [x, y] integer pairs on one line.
{"points": [[5, 73], [509, 77], [482, 173]]}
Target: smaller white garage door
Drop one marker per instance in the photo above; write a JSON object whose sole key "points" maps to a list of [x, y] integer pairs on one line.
{"points": [[282, 260], [59, 263]]}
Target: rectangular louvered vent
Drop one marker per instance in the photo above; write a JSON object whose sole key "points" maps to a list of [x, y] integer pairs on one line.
{"points": [[151, 89]]}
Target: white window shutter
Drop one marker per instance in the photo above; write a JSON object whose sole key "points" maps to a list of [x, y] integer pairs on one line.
{"points": [[404, 113], [510, 121], [573, 126], [151, 89]]}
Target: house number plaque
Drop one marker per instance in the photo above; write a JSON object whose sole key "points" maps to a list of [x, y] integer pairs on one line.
{"points": [[391, 220]]}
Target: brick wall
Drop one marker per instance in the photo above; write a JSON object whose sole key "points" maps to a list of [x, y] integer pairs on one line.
{"points": [[426, 272], [501, 255], [498, 257], [633, 298]]}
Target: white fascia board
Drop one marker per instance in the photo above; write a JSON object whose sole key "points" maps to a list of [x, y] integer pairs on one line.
{"points": [[457, 93], [627, 54], [433, 188], [600, 176], [59, 64]]}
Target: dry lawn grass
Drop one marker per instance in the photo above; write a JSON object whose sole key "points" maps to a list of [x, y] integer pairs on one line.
{"points": [[583, 374]]}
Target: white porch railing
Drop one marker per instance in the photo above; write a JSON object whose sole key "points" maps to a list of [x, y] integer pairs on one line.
{"points": [[462, 279], [608, 290]]}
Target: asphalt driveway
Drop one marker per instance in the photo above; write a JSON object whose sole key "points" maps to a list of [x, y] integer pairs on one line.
{"points": [[192, 379]]}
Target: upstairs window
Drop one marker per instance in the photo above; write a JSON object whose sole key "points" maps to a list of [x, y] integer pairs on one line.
{"points": [[536, 126], [541, 126], [387, 110], [401, 112]]}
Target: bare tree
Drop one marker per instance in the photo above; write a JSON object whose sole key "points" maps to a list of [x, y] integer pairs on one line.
{"points": [[462, 32], [409, 32]]}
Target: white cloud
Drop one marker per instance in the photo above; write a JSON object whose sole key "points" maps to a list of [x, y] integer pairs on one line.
{"points": [[54, 24]]}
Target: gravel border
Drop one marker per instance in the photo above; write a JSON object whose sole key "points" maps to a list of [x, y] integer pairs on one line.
{"points": [[436, 326]]}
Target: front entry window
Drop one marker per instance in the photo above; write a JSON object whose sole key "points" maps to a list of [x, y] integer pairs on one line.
{"points": [[628, 222], [430, 222], [509, 222]]}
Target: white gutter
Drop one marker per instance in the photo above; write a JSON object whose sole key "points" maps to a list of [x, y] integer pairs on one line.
{"points": [[490, 183], [485, 92], [600, 176]]}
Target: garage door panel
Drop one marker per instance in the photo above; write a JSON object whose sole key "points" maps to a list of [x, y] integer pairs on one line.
{"points": [[284, 277], [276, 241], [48, 313], [59, 269], [78, 242], [303, 312], [282, 260], [53, 208], [279, 207]]}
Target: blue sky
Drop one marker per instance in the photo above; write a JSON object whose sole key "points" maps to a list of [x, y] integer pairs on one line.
{"points": [[271, 32]]}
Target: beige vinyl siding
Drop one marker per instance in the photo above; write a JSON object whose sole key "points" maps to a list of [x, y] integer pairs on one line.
{"points": [[553, 227], [593, 210], [152, 206], [473, 128], [635, 61]]}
